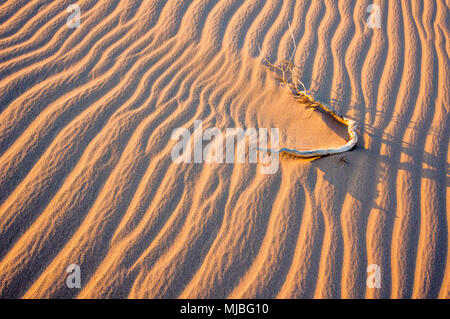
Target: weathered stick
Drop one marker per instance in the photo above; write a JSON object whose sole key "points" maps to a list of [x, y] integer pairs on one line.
{"points": [[290, 78]]}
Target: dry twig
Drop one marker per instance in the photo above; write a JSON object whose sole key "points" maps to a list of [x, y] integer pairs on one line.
{"points": [[287, 73]]}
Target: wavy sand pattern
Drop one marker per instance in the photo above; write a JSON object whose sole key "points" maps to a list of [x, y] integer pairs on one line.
{"points": [[86, 176]]}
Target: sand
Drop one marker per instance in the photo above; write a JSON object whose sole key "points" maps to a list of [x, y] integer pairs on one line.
{"points": [[86, 175]]}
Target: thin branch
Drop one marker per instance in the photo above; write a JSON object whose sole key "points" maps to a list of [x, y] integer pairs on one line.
{"points": [[290, 78]]}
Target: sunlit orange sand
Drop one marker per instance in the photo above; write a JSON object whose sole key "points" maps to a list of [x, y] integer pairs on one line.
{"points": [[88, 104]]}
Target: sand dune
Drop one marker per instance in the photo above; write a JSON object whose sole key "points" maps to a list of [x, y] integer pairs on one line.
{"points": [[86, 175]]}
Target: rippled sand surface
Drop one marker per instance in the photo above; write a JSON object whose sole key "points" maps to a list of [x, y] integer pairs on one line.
{"points": [[86, 175]]}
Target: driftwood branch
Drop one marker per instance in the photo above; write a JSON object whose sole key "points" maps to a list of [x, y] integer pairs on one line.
{"points": [[287, 73]]}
